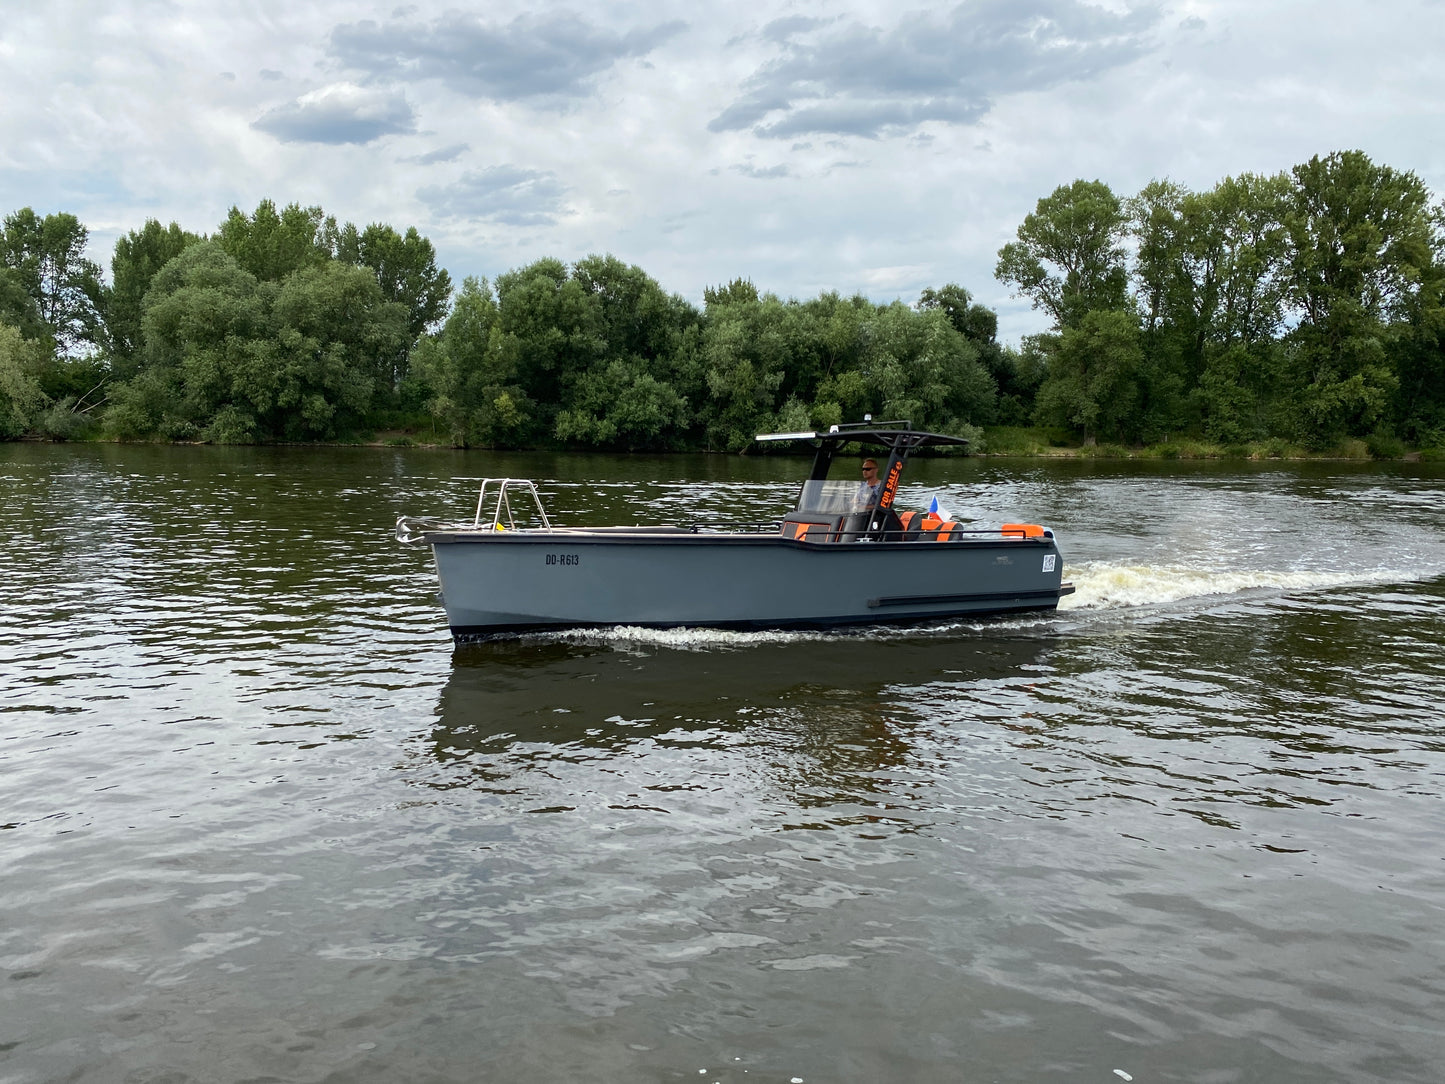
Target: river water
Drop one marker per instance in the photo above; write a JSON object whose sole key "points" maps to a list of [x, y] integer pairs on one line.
{"points": [[260, 821]]}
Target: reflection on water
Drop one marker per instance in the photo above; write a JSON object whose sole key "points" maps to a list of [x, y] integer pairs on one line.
{"points": [[823, 720], [263, 821]]}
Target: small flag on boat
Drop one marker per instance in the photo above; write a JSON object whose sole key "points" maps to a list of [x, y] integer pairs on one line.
{"points": [[936, 509]]}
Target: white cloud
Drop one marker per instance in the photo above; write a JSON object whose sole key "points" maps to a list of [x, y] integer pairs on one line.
{"points": [[548, 56], [863, 80], [339, 113], [762, 173], [441, 154], [503, 194]]}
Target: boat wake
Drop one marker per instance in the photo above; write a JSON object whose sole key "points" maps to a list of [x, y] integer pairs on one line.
{"points": [[1099, 586], [689, 639], [706, 639]]}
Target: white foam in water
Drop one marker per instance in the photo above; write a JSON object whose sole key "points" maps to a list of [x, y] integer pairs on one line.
{"points": [[690, 638], [1097, 586], [705, 639], [1101, 586]]}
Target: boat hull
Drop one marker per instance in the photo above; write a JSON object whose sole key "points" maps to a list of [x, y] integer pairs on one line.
{"points": [[509, 582]]}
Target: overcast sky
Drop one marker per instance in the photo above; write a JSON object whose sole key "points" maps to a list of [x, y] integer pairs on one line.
{"points": [[848, 145]]}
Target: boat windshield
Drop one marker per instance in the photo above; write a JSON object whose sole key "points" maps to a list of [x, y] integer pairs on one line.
{"points": [[829, 498]]}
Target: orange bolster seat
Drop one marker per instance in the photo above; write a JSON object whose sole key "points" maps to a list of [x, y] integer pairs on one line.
{"points": [[810, 531], [918, 524], [1023, 530]]}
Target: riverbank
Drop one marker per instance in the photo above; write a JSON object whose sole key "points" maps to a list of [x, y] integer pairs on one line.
{"points": [[1032, 443], [1017, 441], [998, 441]]}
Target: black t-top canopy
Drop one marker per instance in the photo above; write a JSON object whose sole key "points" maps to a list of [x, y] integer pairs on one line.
{"points": [[892, 435], [898, 438]]}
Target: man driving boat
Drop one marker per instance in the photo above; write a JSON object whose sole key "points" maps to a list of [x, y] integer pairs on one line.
{"points": [[867, 492]]}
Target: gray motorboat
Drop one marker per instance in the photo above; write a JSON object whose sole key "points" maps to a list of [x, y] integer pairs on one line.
{"points": [[831, 561]]}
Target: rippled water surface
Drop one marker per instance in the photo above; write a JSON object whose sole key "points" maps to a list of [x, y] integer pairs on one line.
{"points": [[260, 821]]}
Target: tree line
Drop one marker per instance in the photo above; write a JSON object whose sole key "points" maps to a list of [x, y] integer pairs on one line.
{"points": [[285, 326], [282, 325], [1307, 306]]}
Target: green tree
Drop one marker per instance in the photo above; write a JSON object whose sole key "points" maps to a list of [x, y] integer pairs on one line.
{"points": [[825, 340], [598, 355], [738, 290], [1094, 377], [1249, 213], [1359, 244], [746, 356], [552, 330], [637, 318], [335, 339], [18, 308], [406, 271], [979, 325], [1176, 267], [271, 244], [1027, 366], [205, 319], [47, 258], [628, 396], [1420, 407], [471, 368], [139, 255], [234, 359], [620, 405], [405, 268], [1069, 258], [1234, 392], [923, 370], [1208, 268], [1420, 403], [22, 400]]}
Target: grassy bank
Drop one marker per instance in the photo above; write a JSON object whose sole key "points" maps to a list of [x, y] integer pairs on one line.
{"points": [[1046, 443], [1012, 441]]}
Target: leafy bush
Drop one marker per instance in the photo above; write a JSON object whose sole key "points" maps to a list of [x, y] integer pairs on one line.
{"points": [[1385, 446]]}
